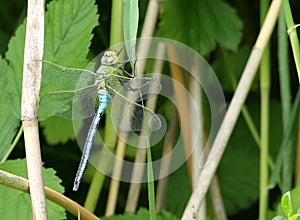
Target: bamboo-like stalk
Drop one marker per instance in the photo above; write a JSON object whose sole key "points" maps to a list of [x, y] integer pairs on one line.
{"points": [[197, 136], [265, 70], [32, 71], [21, 184], [233, 112]]}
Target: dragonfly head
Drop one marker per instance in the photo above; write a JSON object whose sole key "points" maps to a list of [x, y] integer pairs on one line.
{"points": [[109, 58]]}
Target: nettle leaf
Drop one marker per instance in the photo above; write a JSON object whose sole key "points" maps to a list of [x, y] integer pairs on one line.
{"points": [[53, 130], [68, 34], [228, 65], [238, 170], [142, 214], [14, 75], [68, 31], [15, 204], [201, 24], [8, 121], [178, 191]]}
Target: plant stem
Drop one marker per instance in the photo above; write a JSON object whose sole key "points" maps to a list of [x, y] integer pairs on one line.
{"points": [[293, 35], [12, 146], [32, 74], [21, 184], [283, 62], [265, 70], [291, 121]]}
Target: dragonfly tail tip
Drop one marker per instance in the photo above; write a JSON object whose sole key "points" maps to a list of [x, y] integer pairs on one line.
{"points": [[75, 186]]}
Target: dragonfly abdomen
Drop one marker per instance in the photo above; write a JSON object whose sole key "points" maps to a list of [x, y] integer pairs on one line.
{"points": [[104, 98]]}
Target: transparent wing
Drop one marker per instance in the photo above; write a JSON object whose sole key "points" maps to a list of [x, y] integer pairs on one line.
{"points": [[127, 105], [66, 88]]}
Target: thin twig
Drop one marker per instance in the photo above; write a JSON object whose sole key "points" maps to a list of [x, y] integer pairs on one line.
{"points": [[21, 184], [34, 44], [233, 112]]}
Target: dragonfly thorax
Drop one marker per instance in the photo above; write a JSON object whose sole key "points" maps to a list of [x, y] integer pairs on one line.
{"points": [[109, 58], [101, 78]]}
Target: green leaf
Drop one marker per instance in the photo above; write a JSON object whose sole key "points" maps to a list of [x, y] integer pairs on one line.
{"points": [[53, 132], [294, 202], [201, 24], [16, 204], [286, 204], [294, 217], [68, 31], [142, 214], [178, 191], [227, 65], [279, 218], [68, 35], [8, 121], [131, 21], [14, 75], [165, 215]]}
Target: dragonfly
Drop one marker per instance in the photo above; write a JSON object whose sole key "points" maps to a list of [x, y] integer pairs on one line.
{"points": [[76, 89]]}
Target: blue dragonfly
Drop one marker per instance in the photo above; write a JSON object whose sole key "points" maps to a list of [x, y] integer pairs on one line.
{"points": [[73, 94]]}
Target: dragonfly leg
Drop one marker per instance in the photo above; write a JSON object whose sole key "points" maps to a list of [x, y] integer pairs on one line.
{"points": [[126, 86], [126, 72]]}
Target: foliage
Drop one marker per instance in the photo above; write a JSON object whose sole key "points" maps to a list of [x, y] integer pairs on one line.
{"points": [[212, 22], [289, 202], [17, 205], [211, 27], [141, 215]]}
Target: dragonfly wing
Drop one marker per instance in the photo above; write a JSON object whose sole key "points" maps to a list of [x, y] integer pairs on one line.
{"points": [[128, 111], [71, 105], [84, 103], [141, 86], [67, 92], [62, 78]]}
